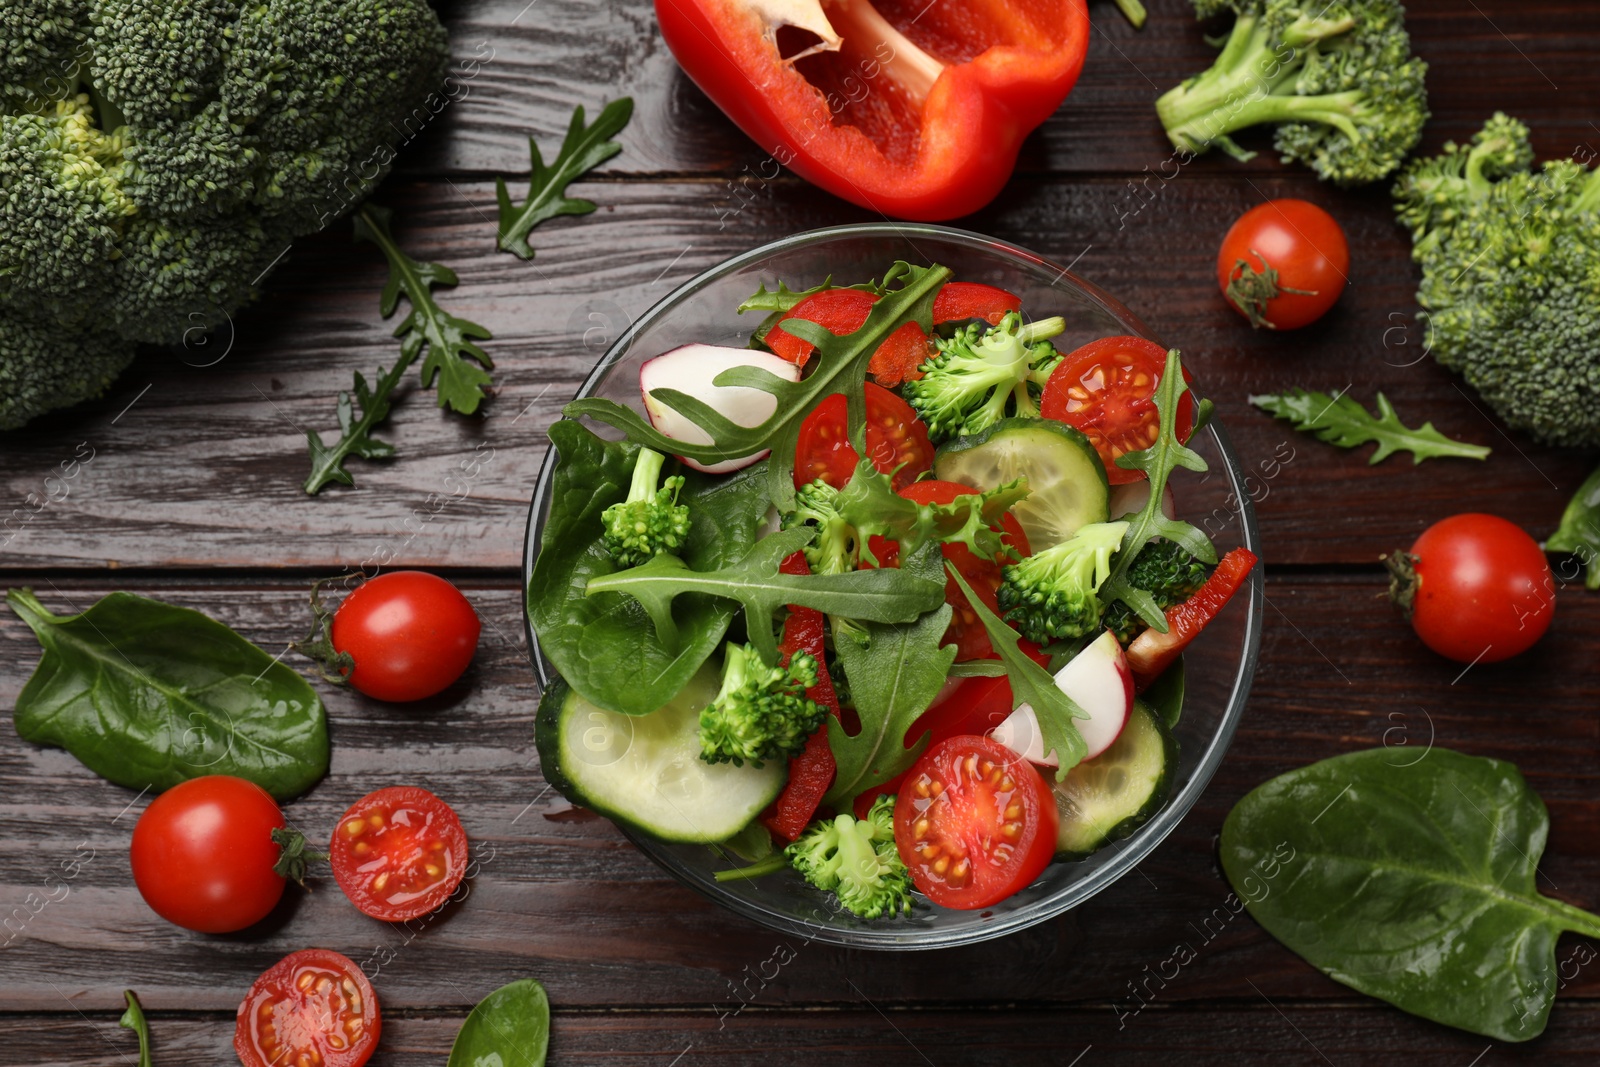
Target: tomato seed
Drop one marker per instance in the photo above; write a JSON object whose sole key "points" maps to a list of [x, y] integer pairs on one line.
{"points": [[303, 983], [941, 865], [379, 882], [375, 820], [1011, 830], [354, 827], [1014, 811], [930, 851], [920, 829], [1007, 783]]}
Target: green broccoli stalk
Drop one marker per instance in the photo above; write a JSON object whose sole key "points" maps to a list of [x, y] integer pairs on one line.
{"points": [[856, 860], [977, 373], [1051, 595], [1167, 573], [761, 712], [650, 521], [1510, 271], [835, 549], [1338, 80]]}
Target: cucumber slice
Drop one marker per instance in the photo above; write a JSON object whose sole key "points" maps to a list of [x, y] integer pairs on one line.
{"points": [[645, 771], [1107, 798], [1066, 479]]}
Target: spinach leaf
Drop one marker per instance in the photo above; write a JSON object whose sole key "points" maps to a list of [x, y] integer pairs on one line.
{"points": [[1158, 462], [604, 645], [148, 695], [1412, 882], [1579, 532], [886, 595], [895, 671], [133, 1019], [509, 1028], [841, 368]]}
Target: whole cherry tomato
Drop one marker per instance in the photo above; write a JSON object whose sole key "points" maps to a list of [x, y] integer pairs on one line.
{"points": [[1283, 264], [1476, 588], [203, 854], [410, 633]]}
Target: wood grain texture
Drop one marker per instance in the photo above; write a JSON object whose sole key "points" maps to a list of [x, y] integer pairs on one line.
{"points": [[1218, 1034], [198, 455], [562, 895]]}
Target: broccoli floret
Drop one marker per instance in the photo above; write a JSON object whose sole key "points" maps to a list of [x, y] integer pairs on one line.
{"points": [[856, 860], [157, 159], [1051, 595], [978, 373], [1167, 573], [1511, 278], [761, 712], [1338, 80], [650, 521], [835, 548]]}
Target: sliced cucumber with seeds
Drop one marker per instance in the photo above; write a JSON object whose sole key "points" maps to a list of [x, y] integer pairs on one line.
{"points": [[1107, 798], [645, 771], [1066, 480]]}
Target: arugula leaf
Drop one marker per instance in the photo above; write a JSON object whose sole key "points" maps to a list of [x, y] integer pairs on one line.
{"points": [[1031, 684], [977, 668], [1411, 880], [870, 505], [443, 339], [887, 595], [895, 671], [604, 646], [1579, 532], [585, 148], [509, 1028], [133, 1019], [1340, 420], [148, 695], [841, 368], [780, 299], [1158, 462], [355, 435]]}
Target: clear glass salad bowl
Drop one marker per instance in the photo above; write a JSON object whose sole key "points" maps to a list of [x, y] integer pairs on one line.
{"points": [[1219, 665]]}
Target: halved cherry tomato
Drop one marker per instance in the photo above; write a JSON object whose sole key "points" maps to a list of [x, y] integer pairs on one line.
{"points": [[311, 1007], [1153, 652], [974, 823], [1107, 389], [895, 437], [398, 853], [898, 358], [966, 630]]}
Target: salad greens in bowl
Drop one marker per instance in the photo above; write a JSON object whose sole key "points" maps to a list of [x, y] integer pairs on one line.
{"points": [[891, 586]]}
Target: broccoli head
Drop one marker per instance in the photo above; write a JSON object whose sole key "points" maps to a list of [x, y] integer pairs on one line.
{"points": [[761, 712], [834, 550], [978, 373], [157, 159], [1511, 278], [1166, 572], [650, 521], [1337, 80], [856, 860], [1052, 594]]}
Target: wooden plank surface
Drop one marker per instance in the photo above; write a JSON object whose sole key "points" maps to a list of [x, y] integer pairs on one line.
{"points": [[192, 495]]}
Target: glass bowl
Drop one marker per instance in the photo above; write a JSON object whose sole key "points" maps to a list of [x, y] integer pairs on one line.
{"points": [[1219, 665]]}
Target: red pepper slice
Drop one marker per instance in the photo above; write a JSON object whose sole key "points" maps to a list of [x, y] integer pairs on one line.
{"points": [[811, 772], [1153, 652], [898, 358], [912, 110]]}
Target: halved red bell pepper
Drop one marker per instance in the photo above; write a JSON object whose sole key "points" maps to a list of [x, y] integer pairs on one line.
{"points": [[843, 311], [811, 772], [1153, 652], [911, 109]]}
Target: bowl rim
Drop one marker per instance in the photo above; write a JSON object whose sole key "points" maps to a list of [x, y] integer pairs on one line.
{"points": [[1130, 852]]}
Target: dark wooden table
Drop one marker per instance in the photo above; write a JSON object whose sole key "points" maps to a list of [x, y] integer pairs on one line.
{"points": [[193, 496]]}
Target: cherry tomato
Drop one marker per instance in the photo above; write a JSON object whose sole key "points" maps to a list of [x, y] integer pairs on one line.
{"points": [[203, 854], [411, 634], [311, 1007], [398, 853], [974, 823], [966, 630], [1283, 264], [895, 436], [1481, 590], [1107, 389]]}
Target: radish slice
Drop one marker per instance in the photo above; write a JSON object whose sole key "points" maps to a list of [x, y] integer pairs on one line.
{"points": [[1099, 681], [1129, 498], [691, 369]]}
